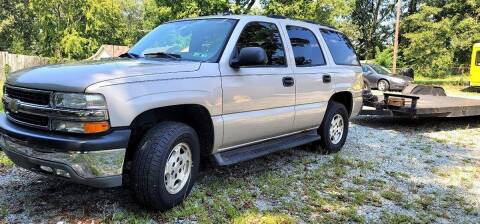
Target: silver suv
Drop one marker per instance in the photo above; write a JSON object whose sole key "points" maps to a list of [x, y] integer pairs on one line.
{"points": [[231, 88]]}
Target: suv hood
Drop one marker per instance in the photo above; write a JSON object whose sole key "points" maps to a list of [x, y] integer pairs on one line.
{"points": [[76, 77]]}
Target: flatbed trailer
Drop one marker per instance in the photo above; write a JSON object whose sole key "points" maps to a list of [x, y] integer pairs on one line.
{"points": [[415, 106]]}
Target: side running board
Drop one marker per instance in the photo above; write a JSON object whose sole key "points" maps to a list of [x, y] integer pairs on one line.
{"points": [[264, 148]]}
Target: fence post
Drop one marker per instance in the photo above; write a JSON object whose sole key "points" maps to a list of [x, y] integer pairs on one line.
{"points": [[3, 62]]}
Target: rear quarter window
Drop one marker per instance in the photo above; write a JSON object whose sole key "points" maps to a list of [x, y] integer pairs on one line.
{"points": [[340, 47]]}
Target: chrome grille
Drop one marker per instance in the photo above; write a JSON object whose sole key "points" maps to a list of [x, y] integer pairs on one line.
{"points": [[29, 119], [39, 97]]}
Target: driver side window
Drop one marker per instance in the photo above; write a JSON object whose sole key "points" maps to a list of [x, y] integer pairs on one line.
{"points": [[266, 36]]}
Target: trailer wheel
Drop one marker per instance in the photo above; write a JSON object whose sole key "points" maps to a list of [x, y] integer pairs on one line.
{"points": [[383, 85], [333, 130], [165, 165]]}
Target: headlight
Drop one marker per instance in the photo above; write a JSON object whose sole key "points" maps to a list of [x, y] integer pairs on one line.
{"points": [[79, 101], [85, 106]]}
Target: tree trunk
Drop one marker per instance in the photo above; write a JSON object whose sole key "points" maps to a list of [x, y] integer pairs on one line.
{"points": [[397, 32]]}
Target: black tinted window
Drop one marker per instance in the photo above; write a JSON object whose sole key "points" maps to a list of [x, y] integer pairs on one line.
{"points": [[266, 36], [340, 47], [478, 58], [305, 46]]}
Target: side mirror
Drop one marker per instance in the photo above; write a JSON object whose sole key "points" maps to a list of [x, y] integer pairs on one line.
{"points": [[249, 56]]}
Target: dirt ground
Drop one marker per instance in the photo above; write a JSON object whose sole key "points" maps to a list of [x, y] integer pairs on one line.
{"points": [[390, 171]]}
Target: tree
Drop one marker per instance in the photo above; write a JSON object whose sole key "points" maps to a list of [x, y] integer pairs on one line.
{"points": [[370, 17], [440, 35], [328, 12], [242, 6], [16, 32]]}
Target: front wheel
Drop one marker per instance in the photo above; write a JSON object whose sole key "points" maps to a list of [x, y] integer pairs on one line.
{"points": [[165, 165], [334, 129], [383, 85]]}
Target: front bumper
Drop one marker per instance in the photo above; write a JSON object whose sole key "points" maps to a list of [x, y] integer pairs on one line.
{"points": [[399, 86], [357, 105], [91, 160]]}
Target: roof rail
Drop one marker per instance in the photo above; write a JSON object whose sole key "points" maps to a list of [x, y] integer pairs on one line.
{"points": [[303, 20], [277, 16]]}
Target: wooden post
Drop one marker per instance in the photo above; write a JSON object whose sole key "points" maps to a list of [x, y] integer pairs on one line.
{"points": [[397, 32]]}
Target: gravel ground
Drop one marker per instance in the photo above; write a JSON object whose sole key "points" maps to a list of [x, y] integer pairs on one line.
{"points": [[390, 171]]}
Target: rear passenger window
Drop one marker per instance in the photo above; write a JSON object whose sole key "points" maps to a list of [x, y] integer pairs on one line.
{"points": [[266, 36], [305, 46], [340, 47]]}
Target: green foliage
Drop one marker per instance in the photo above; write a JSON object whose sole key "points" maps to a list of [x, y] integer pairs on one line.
{"points": [[385, 57], [435, 34], [5, 163], [370, 18], [440, 35]]}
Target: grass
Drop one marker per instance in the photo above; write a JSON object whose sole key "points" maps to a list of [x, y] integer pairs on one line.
{"points": [[392, 195], [395, 218], [455, 80], [5, 163], [270, 196], [263, 219]]}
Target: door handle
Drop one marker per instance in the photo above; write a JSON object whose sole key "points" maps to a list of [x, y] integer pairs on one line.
{"points": [[288, 81], [327, 78]]}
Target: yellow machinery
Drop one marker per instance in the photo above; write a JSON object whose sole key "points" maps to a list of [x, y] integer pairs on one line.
{"points": [[475, 66]]}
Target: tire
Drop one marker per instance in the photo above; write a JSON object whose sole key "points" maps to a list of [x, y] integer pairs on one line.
{"points": [[156, 152], [383, 85], [366, 86], [329, 144]]}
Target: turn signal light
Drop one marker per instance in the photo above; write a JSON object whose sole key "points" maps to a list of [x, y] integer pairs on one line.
{"points": [[96, 127]]}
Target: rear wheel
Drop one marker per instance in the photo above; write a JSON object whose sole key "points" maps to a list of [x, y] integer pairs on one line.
{"points": [[383, 85], [165, 165], [333, 130]]}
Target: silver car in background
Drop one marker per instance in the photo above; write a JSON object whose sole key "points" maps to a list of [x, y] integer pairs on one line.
{"points": [[379, 77]]}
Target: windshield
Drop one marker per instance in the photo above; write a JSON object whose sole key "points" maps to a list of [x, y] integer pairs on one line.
{"points": [[381, 70], [196, 40]]}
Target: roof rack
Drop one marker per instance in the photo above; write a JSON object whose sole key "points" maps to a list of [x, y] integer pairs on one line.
{"points": [[303, 20], [277, 16]]}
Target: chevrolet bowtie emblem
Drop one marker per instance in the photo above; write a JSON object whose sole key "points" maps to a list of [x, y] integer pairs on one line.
{"points": [[13, 106]]}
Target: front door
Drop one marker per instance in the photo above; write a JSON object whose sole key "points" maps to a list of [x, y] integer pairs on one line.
{"points": [[257, 103]]}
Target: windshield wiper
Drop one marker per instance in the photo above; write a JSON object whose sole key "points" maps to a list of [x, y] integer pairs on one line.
{"points": [[164, 55], [129, 55]]}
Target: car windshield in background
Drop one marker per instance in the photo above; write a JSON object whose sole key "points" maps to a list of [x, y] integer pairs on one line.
{"points": [[380, 70], [195, 40]]}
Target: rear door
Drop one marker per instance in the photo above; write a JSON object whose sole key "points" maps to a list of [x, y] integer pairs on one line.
{"points": [[257, 104], [313, 82]]}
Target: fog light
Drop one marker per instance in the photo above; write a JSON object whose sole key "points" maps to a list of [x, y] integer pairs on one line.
{"points": [[46, 169], [62, 173]]}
